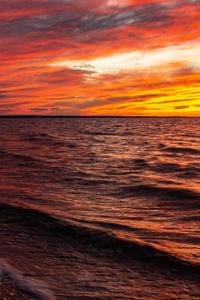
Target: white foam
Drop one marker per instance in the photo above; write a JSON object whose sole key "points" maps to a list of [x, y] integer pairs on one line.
{"points": [[34, 287]]}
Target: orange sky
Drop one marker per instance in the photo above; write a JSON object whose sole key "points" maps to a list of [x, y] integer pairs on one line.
{"points": [[96, 57]]}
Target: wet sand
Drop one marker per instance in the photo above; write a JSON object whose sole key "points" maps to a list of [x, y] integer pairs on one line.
{"points": [[8, 290]]}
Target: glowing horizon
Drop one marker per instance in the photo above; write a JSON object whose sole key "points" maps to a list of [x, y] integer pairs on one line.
{"points": [[127, 58]]}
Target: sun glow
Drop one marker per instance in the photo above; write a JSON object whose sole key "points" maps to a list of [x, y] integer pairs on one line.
{"points": [[122, 57], [137, 60]]}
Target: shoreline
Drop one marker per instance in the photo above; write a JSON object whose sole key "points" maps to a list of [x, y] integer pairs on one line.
{"points": [[9, 291]]}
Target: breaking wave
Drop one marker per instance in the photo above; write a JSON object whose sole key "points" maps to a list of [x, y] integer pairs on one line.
{"points": [[98, 238]]}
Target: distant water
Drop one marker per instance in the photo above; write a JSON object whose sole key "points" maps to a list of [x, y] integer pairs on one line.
{"points": [[136, 180]]}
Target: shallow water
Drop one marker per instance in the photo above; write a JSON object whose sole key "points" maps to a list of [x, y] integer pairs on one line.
{"points": [[133, 179]]}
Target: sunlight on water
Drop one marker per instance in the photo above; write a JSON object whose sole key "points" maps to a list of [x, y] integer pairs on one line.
{"points": [[135, 178]]}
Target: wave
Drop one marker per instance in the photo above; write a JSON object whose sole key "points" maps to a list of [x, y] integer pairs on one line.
{"points": [[182, 150], [191, 218], [98, 238], [47, 140], [175, 196], [140, 163], [36, 136], [189, 171], [108, 225], [33, 287], [99, 133], [20, 159], [166, 167], [186, 171]]}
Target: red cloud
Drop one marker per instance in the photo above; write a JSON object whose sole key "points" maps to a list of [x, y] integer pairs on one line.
{"points": [[37, 33]]}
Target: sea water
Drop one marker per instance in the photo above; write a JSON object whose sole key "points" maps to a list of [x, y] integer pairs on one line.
{"points": [[121, 182]]}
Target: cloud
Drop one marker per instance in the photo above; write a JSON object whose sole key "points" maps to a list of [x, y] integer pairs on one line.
{"points": [[65, 16], [115, 54], [13, 105], [135, 14], [63, 76], [38, 109], [181, 107], [3, 95], [5, 111], [61, 24], [83, 104], [55, 108]]}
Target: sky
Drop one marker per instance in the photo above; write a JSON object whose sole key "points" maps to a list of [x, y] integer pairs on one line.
{"points": [[101, 58]]}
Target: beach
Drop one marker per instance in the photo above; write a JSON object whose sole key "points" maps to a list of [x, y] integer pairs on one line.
{"points": [[10, 292]]}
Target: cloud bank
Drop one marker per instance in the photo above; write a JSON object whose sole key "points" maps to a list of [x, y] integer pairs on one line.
{"points": [[64, 57]]}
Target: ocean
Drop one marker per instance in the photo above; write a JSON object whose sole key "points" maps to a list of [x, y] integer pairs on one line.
{"points": [[101, 207]]}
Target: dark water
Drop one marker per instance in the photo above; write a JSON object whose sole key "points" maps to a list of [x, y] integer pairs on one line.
{"points": [[132, 182]]}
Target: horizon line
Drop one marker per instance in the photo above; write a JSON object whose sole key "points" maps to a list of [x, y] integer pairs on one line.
{"points": [[91, 116]]}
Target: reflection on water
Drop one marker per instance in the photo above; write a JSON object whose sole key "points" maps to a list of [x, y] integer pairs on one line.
{"points": [[100, 169], [137, 178]]}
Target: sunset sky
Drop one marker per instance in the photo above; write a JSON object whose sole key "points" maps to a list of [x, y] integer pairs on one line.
{"points": [[97, 57]]}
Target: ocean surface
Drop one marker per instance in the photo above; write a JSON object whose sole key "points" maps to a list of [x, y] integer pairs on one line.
{"points": [[101, 207]]}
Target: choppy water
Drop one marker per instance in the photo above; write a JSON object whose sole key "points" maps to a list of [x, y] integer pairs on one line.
{"points": [[135, 179]]}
